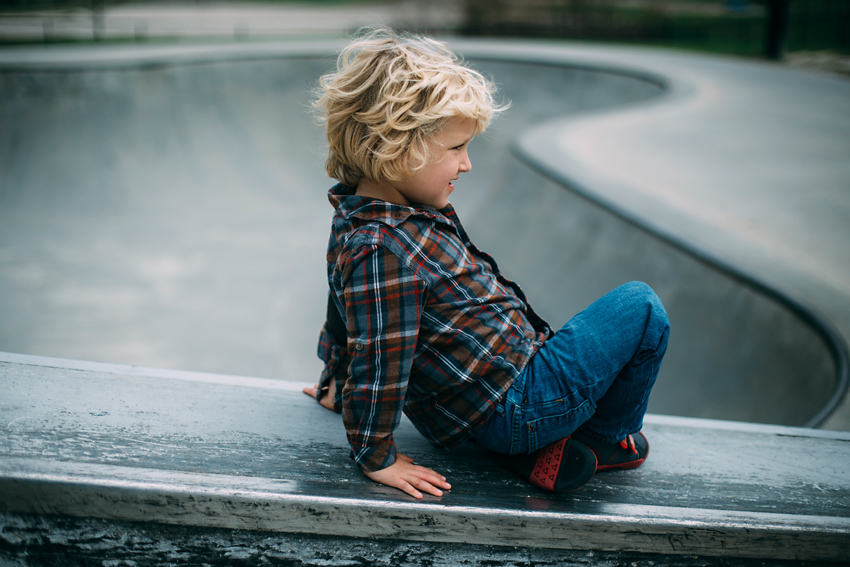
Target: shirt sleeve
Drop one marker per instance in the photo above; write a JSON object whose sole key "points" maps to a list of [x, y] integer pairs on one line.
{"points": [[383, 302], [335, 357]]}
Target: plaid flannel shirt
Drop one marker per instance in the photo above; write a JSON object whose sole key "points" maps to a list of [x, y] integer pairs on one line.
{"points": [[433, 329]]}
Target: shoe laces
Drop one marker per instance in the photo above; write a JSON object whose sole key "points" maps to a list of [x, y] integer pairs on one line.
{"points": [[629, 443]]}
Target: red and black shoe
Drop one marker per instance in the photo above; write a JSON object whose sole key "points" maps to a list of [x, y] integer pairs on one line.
{"points": [[630, 453], [563, 466]]}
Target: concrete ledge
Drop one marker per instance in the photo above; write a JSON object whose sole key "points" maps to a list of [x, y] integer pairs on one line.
{"points": [[102, 441], [235, 502]]}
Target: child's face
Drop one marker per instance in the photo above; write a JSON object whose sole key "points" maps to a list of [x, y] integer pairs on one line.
{"points": [[432, 184]]}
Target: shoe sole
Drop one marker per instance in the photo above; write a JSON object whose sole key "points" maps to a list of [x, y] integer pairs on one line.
{"points": [[624, 466], [547, 470]]}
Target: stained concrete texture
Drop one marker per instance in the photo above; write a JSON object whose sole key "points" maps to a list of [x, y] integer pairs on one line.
{"points": [[165, 207], [201, 451], [33, 542]]}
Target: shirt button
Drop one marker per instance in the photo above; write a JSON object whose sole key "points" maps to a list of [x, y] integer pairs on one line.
{"points": [[358, 347]]}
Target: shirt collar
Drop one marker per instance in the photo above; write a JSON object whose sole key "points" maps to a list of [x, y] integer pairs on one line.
{"points": [[351, 206]]}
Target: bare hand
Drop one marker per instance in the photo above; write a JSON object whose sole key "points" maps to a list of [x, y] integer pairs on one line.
{"points": [[328, 400], [406, 476]]}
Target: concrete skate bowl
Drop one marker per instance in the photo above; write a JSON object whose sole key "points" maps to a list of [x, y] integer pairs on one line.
{"points": [[167, 207]]}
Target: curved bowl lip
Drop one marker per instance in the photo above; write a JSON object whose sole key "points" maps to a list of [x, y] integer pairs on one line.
{"points": [[593, 58]]}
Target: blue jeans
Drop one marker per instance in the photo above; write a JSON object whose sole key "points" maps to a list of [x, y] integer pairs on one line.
{"points": [[595, 374]]}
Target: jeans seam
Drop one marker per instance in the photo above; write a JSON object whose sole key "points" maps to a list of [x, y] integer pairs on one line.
{"points": [[516, 427]]}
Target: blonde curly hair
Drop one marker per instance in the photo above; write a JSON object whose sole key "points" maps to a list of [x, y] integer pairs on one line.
{"points": [[388, 96]]}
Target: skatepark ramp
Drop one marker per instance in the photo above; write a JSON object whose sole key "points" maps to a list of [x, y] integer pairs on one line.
{"points": [[165, 207]]}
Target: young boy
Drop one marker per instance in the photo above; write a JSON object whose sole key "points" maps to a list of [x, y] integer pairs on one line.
{"points": [[421, 322]]}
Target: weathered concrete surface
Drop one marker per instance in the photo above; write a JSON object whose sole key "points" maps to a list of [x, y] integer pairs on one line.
{"points": [[33, 541], [120, 443], [87, 542], [166, 207]]}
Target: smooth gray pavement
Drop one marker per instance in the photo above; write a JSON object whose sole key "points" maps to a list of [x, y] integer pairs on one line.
{"points": [[165, 207]]}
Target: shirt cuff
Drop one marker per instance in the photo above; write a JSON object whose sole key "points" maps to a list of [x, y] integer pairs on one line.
{"points": [[336, 368], [375, 458]]}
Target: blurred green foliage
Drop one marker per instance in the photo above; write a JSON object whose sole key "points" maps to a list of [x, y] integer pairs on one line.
{"points": [[733, 26], [33, 5], [738, 27]]}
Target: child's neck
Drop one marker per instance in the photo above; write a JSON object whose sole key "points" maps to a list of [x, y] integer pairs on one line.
{"points": [[381, 191]]}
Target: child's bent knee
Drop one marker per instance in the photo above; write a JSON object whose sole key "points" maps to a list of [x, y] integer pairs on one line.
{"points": [[641, 298]]}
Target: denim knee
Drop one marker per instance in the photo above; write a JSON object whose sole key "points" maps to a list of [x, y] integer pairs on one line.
{"points": [[643, 299]]}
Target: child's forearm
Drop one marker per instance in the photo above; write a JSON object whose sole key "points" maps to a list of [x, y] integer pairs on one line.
{"points": [[382, 299]]}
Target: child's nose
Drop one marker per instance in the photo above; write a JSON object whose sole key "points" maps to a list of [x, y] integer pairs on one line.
{"points": [[465, 164]]}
